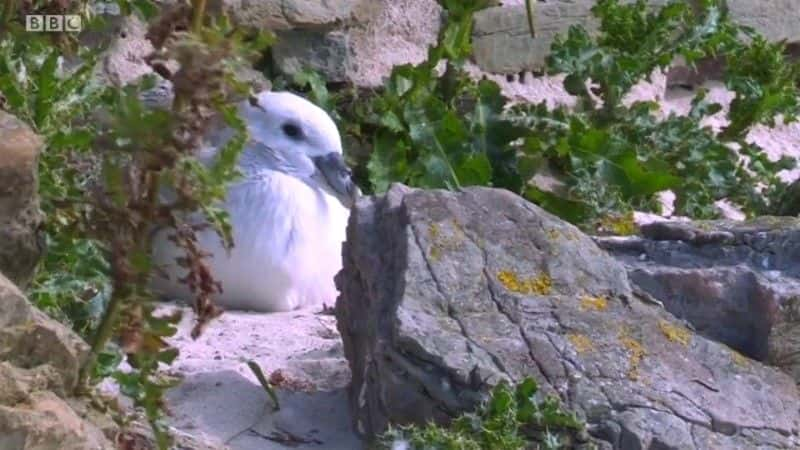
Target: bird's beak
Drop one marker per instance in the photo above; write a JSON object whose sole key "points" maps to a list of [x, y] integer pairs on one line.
{"points": [[338, 177]]}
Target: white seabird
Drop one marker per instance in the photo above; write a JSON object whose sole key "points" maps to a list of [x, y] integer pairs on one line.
{"points": [[289, 212]]}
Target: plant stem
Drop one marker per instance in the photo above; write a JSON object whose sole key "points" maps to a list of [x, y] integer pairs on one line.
{"points": [[104, 332], [197, 14], [9, 10], [529, 11]]}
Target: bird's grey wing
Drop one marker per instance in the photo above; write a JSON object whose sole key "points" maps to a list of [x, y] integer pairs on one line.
{"points": [[216, 137], [290, 163]]}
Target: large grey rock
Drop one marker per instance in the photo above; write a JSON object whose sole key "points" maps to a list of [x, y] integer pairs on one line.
{"points": [[329, 53], [735, 282], [21, 242], [30, 339], [39, 363], [43, 421], [444, 293]]}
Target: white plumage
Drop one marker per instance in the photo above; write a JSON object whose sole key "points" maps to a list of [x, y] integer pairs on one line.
{"points": [[289, 212]]}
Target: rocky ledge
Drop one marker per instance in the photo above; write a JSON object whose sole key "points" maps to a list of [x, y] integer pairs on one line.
{"points": [[446, 293], [734, 282]]}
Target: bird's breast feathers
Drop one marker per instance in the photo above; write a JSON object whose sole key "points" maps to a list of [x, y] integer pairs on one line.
{"points": [[286, 233]]}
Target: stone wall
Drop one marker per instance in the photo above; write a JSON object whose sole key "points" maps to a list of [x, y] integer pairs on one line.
{"points": [[359, 41]]}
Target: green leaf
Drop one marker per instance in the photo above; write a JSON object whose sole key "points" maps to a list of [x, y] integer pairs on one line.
{"points": [[475, 170], [146, 9], [46, 81], [167, 356], [575, 85], [568, 209], [388, 162], [435, 172], [113, 180], [264, 383], [319, 91]]}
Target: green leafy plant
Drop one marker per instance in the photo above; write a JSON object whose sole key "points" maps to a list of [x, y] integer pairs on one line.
{"points": [[72, 282], [432, 126], [107, 160], [443, 130], [513, 418], [629, 149]]}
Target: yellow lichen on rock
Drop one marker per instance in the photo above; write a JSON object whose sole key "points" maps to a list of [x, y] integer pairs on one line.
{"points": [[739, 359], [581, 342], [538, 285], [620, 225], [675, 333], [433, 232], [553, 234], [636, 350], [596, 303], [440, 243]]}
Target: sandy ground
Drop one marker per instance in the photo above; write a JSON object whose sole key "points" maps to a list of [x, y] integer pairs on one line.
{"points": [[221, 401]]}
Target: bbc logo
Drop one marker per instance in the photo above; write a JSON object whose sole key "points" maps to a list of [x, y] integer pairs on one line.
{"points": [[69, 22]]}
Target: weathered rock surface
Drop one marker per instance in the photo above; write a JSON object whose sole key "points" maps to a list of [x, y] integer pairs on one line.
{"points": [[775, 19], [735, 282], [363, 51], [21, 243], [39, 362], [784, 339], [292, 14], [444, 293], [329, 53], [124, 60]]}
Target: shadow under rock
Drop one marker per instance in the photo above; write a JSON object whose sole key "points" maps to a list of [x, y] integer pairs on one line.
{"points": [[232, 410]]}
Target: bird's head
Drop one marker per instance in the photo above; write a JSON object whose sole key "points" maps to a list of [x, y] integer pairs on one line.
{"points": [[292, 135]]}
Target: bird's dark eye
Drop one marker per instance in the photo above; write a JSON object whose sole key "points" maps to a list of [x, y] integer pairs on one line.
{"points": [[291, 130]]}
